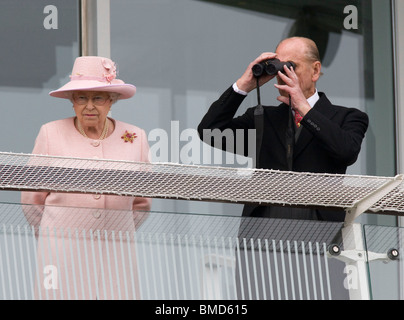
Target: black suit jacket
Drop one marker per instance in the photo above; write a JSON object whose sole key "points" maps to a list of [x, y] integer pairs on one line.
{"points": [[330, 140]]}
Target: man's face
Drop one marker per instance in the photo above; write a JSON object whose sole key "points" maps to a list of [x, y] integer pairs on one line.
{"points": [[294, 50]]}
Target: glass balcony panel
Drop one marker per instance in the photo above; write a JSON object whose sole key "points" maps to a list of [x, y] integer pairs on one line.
{"points": [[81, 253], [384, 245]]}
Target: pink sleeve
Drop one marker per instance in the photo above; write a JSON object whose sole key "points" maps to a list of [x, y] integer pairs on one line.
{"points": [[39, 148], [139, 203], [145, 148]]}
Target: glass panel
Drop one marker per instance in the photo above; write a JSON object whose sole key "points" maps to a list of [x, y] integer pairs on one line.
{"points": [[74, 253], [383, 244], [160, 255], [40, 40]]}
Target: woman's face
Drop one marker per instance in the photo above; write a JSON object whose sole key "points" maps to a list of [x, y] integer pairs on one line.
{"points": [[91, 107]]}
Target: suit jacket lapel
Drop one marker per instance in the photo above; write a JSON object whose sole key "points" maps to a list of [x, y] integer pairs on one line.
{"points": [[323, 106]]}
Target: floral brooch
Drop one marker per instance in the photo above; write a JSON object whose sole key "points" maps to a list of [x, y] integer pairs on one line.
{"points": [[128, 136]]}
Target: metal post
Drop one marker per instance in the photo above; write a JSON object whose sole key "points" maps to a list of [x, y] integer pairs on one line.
{"points": [[95, 28], [356, 280]]}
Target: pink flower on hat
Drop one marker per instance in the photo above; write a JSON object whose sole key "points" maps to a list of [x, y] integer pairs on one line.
{"points": [[111, 69], [128, 136], [109, 77]]}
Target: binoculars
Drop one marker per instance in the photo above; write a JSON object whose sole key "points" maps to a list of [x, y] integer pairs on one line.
{"points": [[271, 67]]}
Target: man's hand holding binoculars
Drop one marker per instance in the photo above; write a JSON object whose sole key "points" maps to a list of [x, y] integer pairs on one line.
{"points": [[248, 82], [289, 88]]}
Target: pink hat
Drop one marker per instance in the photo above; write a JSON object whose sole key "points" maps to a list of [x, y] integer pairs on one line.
{"points": [[94, 74]]}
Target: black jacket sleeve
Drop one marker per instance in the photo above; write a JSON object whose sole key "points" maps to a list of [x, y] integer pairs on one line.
{"points": [[341, 140], [219, 128]]}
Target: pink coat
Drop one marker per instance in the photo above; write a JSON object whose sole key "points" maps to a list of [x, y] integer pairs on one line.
{"points": [[92, 251], [60, 138]]}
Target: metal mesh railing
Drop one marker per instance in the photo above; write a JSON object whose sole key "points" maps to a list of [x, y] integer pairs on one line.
{"points": [[193, 182]]}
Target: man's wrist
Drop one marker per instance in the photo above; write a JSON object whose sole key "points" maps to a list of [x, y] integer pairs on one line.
{"points": [[238, 90], [303, 109]]}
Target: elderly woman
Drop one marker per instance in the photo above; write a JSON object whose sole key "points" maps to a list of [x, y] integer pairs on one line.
{"points": [[92, 89]]}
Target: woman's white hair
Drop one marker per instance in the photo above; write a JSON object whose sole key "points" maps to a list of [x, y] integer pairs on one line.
{"points": [[114, 96]]}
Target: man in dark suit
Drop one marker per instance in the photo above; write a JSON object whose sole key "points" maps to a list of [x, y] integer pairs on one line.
{"points": [[327, 140]]}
